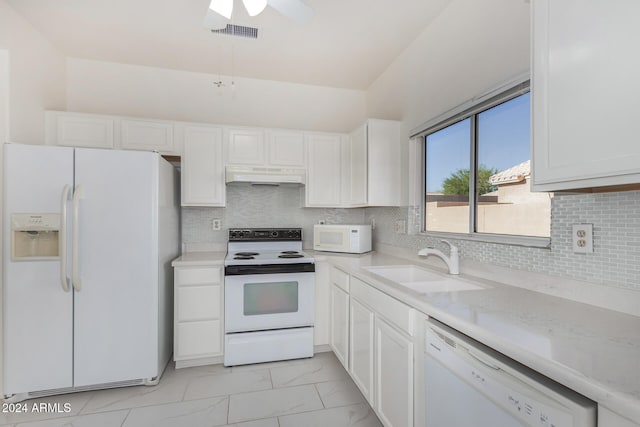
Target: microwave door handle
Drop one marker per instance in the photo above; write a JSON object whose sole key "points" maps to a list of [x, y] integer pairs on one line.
{"points": [[62, 236]]}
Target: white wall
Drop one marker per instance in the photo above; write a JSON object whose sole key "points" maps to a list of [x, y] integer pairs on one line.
{"points": [[36, 76], [471, 47], [110, 88]]}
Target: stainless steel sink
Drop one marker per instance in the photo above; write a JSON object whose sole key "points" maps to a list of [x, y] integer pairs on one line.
{"points": [[420, 279]]}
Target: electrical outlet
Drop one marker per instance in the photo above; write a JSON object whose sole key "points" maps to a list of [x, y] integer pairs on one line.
{"points": [[373, 223], [401, 226], [582, 237], [216, 224]]}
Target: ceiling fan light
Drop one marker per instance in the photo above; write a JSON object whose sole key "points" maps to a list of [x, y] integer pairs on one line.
{"points": [[223, 7], [254, 7]]}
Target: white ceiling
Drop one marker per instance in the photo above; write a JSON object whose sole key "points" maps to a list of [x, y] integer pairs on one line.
{"points": [[347, 44]]}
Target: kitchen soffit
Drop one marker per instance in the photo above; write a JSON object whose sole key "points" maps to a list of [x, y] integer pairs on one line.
{"points": [[347, 44]]}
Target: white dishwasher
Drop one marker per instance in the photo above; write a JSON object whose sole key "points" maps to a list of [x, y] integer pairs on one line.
{"points": [[468, 384]]}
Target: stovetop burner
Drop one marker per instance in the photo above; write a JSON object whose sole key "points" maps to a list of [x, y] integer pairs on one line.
{"points": [[266, 247]]}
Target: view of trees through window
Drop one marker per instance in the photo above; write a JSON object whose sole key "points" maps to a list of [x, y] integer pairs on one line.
{"points": [[504, 203]]}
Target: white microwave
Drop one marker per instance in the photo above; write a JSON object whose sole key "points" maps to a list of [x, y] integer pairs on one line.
{"points": [[354, 239]]}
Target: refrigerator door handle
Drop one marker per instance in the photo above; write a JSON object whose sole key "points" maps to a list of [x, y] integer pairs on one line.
{"points": [[77, 285], [62, 245]]}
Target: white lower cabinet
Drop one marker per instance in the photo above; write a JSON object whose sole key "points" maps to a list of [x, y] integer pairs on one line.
{"points": [[381, 352], [361, 348], [322, 301], [339, 315], [394, 375], [198, 315]]}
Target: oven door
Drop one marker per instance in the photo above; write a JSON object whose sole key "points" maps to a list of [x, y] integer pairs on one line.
{"points": [[258, 302]]}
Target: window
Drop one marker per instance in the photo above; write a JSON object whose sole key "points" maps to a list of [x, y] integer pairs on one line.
{"points": [[477, 171]]}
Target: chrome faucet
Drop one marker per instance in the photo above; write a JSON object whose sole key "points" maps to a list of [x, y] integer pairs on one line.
{"points": [[452, 261]]}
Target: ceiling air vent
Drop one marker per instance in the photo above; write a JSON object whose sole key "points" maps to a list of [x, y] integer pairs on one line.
{"points": [[238, 31]]}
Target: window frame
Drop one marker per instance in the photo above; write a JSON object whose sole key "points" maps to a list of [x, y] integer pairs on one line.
{"points": [[471, 110]]}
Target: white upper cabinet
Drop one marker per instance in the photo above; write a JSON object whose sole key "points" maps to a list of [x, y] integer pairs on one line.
{"points": [[375, 165], [324, 153], [286, 149], [355, 171], [147, 135], [79, 130], [245, 146], [585, 94], [260, 147], [202, 169], [100, 131]]}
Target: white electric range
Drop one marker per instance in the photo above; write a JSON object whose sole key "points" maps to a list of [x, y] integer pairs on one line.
{"points": [[269, 296]]}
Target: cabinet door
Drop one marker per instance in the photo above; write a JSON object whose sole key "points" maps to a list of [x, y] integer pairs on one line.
{"points": [[384, 163], [356, 186], [286, 149], [361, 348], [339, 325], [321, 323], [198, 313], [79, 130], [246, 147], [324, 167], [394, 375], [202, 168], [147, 135], [585, 88]]}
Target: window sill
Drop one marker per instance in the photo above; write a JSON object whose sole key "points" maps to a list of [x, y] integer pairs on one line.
{"points": [[525, 241]]}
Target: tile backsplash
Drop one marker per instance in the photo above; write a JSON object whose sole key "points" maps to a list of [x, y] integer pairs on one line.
{"points": [[616, 228], [259, 206], [615, 218]]}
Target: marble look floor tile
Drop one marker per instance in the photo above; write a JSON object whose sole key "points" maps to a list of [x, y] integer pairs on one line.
{"points": [[55, 408], [339, 393], [167, 391], [103, 419], [360, 415], [195, 371], [315, 370], [195, 413], [228, 383], [272, 403], [266, 422]]}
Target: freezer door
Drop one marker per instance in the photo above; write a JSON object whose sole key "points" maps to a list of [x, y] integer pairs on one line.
{"points": [[116, 285], [38, 338]]}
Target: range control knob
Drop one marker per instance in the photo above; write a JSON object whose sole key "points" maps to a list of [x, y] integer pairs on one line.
{"points": [[274, 234]]}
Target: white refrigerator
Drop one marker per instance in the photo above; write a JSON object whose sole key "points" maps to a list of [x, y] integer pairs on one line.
{"points": [[89, 238]]}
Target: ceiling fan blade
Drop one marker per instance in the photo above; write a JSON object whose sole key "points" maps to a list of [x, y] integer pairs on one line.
{"points": [[214, 21], [293, 9]]}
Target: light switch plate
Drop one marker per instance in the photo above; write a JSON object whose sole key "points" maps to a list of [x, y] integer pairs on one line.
{"points": [[582, 237]]}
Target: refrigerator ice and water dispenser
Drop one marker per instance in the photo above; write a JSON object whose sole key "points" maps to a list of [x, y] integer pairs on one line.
{"points": [[34, 236]]}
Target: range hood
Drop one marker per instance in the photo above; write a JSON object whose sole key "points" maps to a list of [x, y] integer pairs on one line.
{"points": [[264, 175]]}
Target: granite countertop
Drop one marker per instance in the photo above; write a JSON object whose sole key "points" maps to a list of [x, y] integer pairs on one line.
{"points": [[592, 350]]}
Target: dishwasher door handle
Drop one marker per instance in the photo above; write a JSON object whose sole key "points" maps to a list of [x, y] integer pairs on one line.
{"points": [[484, 362]]}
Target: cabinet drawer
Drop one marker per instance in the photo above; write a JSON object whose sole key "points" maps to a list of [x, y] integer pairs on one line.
{"points": [[198, 302], [340, 279], [197, 276], [198, 339], [394, 311]]}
